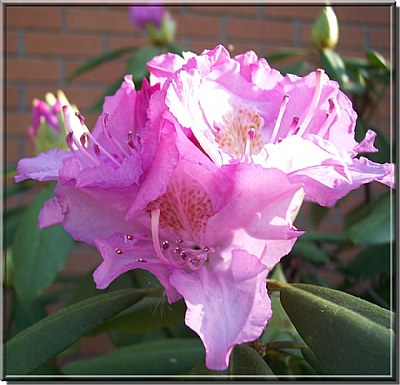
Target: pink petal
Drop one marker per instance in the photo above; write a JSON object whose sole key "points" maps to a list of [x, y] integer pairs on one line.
{"points": [[51, 214], [225, 307], [367, 144], [121, 254], [45, 166]]}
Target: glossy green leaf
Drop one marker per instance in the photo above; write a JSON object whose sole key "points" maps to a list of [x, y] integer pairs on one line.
{"points": [[377, 60], [149, 314], [26, 313], [38, 254], [308, 251], [97, 61], [243, 361], [348, 335], [315, 363], [37, 344], [137, 62], [374, 223], [167, 356]]}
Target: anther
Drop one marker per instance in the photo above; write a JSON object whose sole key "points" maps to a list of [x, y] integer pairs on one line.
{"points": [[105, 120], [139, 139], [83, 140], [206, 249], [165, 245], [177, 250], [179, 241], [141, 260], [80, 117], [119, 251], [96, 150], [129, 237], [250, 137]]}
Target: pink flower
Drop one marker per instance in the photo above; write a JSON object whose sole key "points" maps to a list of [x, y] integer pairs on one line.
{"points": [[106, 166], [239, 109], [140, 15]]}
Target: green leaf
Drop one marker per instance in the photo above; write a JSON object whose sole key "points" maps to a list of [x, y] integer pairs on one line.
{"points": [[137, 62], [12, 219], [26, 313], [39, 343], [334, 65], [371, 261], [243, 361], [38, 254], [377, 60], [93, 63], [167, 356], [319, 236], [310, 252], [374, 223], [147, 315], [317, 213], [315, 363], [347, 334]]}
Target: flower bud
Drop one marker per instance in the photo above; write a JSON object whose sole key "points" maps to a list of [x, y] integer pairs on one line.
{"points": [[165, 34], [325, 31], [141, 15], [48, 129]]}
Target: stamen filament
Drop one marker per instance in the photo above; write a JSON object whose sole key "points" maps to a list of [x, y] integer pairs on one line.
{"points": [[279, 118], [314, 102], [250, 138], [334, 112], [155, 221]]}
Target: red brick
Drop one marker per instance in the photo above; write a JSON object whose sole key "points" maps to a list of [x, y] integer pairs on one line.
{"points": [[116, 42], [104, 74], [259, 30], [203, 26], [32, 70], [12, 96], [247, 10], [380, 38], [93, 19], [11, 43], [291, 12], [363, 14], [17, 123], [33, 17], [63, 45], [12, 152]]}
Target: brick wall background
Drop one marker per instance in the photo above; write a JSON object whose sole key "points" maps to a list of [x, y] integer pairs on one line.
{"points": [[46, 43]]}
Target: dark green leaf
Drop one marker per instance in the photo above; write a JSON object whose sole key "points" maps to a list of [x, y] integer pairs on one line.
{"points": [[317, 213], [149, 314], [167, 356], [377, 60], [175, 48], [374, 223], [26, 313], [12, 219], [287, 54], [137, 62], [319, 236], [93, 63], [37, 344], [295, 68], [347, 334], [243, 361], [310, 252], [315, 363], [371, 261], [38, 254]]}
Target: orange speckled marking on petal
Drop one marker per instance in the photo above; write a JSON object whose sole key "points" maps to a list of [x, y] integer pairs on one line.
{"points": [[232, 134]]}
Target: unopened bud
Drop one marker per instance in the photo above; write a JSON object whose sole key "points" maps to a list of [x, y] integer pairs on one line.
{"points": [[325, 31], [165, 34]]}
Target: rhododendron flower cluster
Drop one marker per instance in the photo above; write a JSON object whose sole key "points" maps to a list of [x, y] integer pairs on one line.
{"points": [[197, 178]]}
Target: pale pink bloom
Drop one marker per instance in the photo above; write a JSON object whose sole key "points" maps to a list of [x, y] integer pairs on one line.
{"points": [[239, 109]]}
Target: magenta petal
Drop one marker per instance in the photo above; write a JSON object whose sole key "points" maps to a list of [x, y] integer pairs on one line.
{"points": [[124, 252], [51, 214], [45, 166], [225, 306]]}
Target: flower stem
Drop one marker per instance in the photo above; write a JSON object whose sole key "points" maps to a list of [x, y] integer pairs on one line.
{"points": [[274, 285]]}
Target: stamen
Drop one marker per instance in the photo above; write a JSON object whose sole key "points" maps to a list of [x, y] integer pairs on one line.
{"points": [[165, 245], [155, 221], [80, 117], [141, 260], [83, 140], [129, 237], [250, 137], [294, 126], [114, 143], [282, 109], [96, 149], [314, 102], [119, 251], [179, 241], [334, 112]]}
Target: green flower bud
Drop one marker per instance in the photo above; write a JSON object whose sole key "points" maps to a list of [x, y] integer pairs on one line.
{"points": [[165, 34], [325, 31]]}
